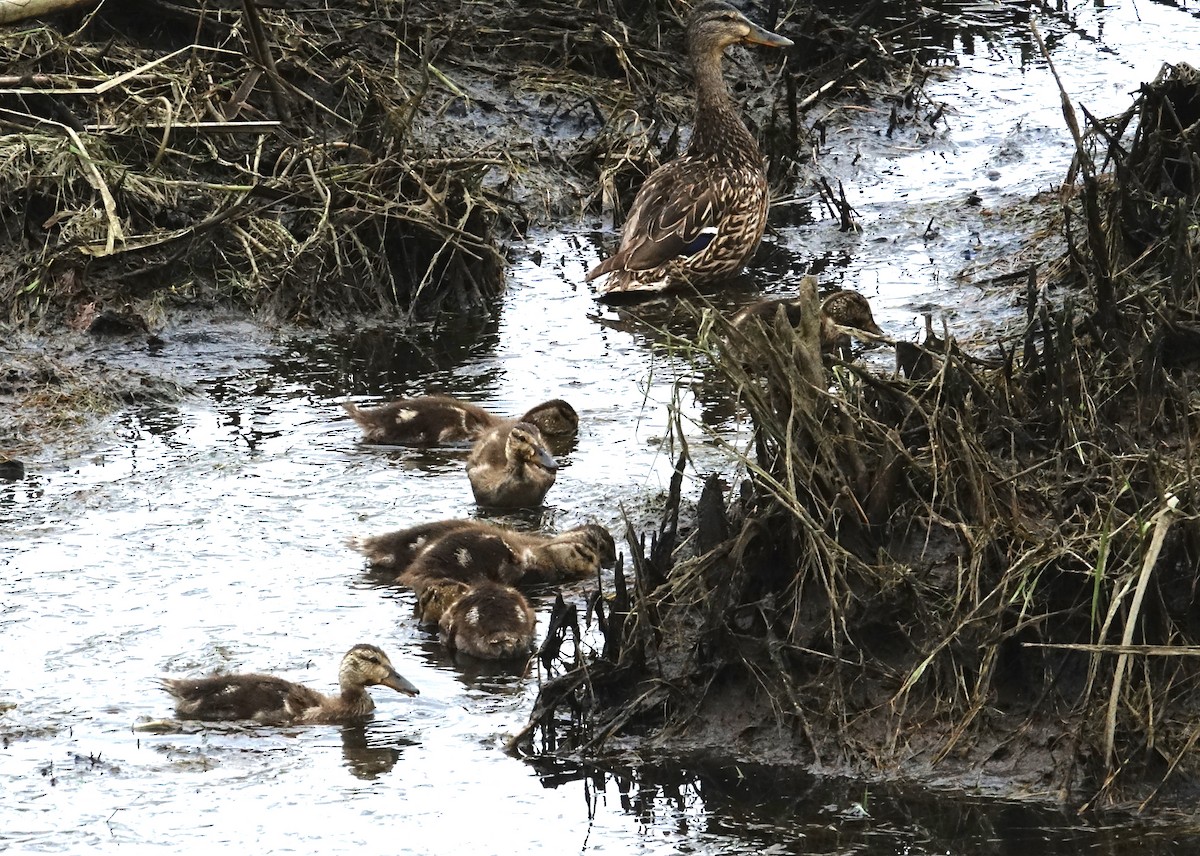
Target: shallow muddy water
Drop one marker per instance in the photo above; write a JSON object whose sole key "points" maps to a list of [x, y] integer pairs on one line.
{"points": [[209, 535]]}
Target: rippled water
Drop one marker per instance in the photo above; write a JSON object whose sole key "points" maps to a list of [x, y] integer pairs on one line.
{"points": [[210, 534]]}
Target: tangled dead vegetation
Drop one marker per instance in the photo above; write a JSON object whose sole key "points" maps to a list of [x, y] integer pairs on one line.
{"points": [[974, 568], [330, 156]]}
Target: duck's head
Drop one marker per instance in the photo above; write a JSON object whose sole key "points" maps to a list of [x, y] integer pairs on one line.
{"points": [[599, 541], [553, 418], [714, 25], [367, 666], [526, 445], [845, 309], [438, 597]]}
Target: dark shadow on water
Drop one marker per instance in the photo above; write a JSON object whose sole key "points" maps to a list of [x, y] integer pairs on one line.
{"points": [[780, 811]]}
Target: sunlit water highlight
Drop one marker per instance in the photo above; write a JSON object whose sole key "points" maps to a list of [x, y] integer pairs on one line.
{"points": [[209, 535]]}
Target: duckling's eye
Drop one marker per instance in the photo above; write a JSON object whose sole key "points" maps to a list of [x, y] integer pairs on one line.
{"points": [[371, 658]]}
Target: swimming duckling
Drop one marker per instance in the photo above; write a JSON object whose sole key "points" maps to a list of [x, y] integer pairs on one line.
{"points": [[468, 554], [843, 308], [534, 558], [268, 699], [509, 467], [437, 597], [429, 420], [491, 621], [395, 551], [570, 555]]}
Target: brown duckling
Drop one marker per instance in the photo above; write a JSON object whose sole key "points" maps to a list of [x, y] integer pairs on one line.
{"points": [[268, 699], [437, 597], [509, 467], [468, 554], [395, 551], [574, 554], [429, 420], [491, 621], [531, 557], [843, 308]]}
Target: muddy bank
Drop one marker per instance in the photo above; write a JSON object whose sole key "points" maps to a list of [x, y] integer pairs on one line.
{"points": [[979, 570]]}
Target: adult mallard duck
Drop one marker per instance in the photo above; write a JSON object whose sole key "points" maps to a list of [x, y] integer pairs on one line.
{"points": [[841, 309], [510, 467], [699, 218], [491, 621], [268, 699], [429, 420]]}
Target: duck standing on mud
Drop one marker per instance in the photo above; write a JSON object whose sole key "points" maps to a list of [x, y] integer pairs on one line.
{"points": [[699, 218]]}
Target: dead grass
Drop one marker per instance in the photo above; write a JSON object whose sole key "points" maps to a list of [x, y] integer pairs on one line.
{"points": [[970, 560]]}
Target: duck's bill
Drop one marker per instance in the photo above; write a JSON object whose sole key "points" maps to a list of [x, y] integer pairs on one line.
{"points": [[546, 460], [400, 684], [759, 36]]}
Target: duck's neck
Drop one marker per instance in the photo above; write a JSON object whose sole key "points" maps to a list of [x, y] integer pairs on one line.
{"points": [[719, 131], [355, 701]]}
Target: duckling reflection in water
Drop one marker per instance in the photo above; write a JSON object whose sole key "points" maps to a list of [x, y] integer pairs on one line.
{"points": [[491, 621], [430, 420], [272, 700], [510, 467], [845, 309]]}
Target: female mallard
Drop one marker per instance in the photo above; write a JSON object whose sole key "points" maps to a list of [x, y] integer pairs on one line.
{"points": [[268, 699], [843, 308], [429, 420], [699, 218], [491, 621], [509, 467]]}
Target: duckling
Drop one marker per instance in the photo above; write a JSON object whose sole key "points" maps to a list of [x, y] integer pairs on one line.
{"points": [[491, 621], [437, 597], [395, 551], [268, 699], [531, 557], [467, 554], [844, 308], [574, 554], [509, 467], [430, 420]]}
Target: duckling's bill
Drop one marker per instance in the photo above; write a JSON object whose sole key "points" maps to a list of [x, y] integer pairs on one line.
{"points": [[400, 684]]}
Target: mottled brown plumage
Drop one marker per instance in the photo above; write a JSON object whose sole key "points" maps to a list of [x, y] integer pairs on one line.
{"points": [[431, 420], [510, 467], [698, 218], [469, 550], [466, 554], [491, 621], [437, 597], [573, 554], [268, 699], [844, 308]]}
